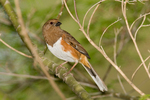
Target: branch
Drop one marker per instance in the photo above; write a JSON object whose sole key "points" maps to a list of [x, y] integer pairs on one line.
{"points": [[61, 10], [23, 76], [92, 17], [75, 8], [100, 41], [121, 44], [13, 17], [103, 53], [21, 53], [73, 84], [138, 68], [69, 80], [133, 39], [117, 95], [88, 12], [77, 88], [19, 26]]}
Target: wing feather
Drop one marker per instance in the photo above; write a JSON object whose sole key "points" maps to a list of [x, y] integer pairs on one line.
{"points": [[74, 43]]}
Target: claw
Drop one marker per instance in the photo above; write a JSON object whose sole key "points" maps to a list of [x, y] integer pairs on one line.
{"points": [[57, 68]]}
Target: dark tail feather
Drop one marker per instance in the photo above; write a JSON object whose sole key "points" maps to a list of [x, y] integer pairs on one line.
{"points": [[96, 78]]}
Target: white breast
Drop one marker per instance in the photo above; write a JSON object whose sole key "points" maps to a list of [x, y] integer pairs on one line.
{"points": [[57, 50]]}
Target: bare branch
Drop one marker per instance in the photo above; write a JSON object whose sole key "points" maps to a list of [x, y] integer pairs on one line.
{"points": [[91, 18], [88, 12], [139, 68], [135, 34], [121, 84], [114, 94], [69, 80], [121, 44], [107, 29], [104, 54], [133, 39], [61, 10], [70, 12], [21, 53], [116, 31], [75, 8], [25, 38], [25, 76], [138, 19]]}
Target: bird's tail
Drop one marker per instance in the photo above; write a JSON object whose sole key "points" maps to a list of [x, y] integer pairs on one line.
{"points": [[95, 76]]}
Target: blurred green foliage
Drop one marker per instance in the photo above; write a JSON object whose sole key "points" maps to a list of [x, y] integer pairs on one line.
{"points": [[36, 13], [145, 97]]}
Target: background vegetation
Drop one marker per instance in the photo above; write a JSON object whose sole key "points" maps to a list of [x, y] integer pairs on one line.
{"points": [[17, 71]]}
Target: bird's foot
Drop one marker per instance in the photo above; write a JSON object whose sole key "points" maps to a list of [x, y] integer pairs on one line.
{"points": [[65, 74], [57, 68]]}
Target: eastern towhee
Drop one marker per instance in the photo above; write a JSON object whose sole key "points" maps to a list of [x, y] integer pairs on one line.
{"points": [[66, 47]]}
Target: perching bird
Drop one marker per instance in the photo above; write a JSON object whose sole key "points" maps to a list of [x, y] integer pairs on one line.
{"points": [[66, 47]]}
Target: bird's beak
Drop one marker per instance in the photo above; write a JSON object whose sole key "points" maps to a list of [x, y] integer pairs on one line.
{"points": [[58, 24]]}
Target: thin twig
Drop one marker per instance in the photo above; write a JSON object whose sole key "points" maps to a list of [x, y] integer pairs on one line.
{"points": [[61, 10], [75, 8], [121, 44], [100, 40], [133, 39], [88, 85], [114, 94], [21, 53], [116, 67], [115, 45], [138, 19], [135, 34], [88, 12], [139, 68], [97, 95], [91, 18], [70, 12], [25, 76], [146, 25], [121, 84]]}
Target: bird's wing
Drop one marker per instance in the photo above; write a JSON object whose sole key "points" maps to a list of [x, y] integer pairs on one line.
{"points": [[74, 43]]}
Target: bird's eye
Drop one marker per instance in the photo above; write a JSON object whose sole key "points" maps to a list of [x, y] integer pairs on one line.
{"points": [[51, 23]]}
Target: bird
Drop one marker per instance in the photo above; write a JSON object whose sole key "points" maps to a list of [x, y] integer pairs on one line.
{"points": [[65, 47]]}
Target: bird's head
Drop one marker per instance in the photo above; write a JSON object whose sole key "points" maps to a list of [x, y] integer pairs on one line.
{"points": [[51, 24]]}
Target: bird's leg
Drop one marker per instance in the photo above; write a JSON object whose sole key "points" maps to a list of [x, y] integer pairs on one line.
{"points": [[60, 66], [71, 69]]}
